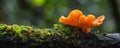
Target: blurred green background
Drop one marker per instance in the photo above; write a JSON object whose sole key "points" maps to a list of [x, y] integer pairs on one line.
{"points": [[45, 13]]}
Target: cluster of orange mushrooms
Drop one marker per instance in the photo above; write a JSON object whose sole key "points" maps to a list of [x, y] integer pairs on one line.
{"points": [[85, 23]]}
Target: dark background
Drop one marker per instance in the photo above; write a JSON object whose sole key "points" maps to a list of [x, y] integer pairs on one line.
{"points": [[45, 13]]}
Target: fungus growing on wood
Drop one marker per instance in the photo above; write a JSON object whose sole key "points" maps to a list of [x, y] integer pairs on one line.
{"points": [[85, 23]]}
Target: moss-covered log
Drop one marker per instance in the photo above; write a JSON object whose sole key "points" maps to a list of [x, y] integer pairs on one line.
{"points": [[60, 36]]}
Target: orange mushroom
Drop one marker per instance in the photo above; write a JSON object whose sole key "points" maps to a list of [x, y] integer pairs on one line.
{"points": [[72, 18], [98, 21], [85, 23]]}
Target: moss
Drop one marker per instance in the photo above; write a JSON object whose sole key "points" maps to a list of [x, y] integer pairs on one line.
{"points": [[60, 36]]}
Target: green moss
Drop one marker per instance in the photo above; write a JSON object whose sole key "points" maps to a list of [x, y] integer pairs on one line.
{"points": [[39, 34], [59, 36], [2, 26]]}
